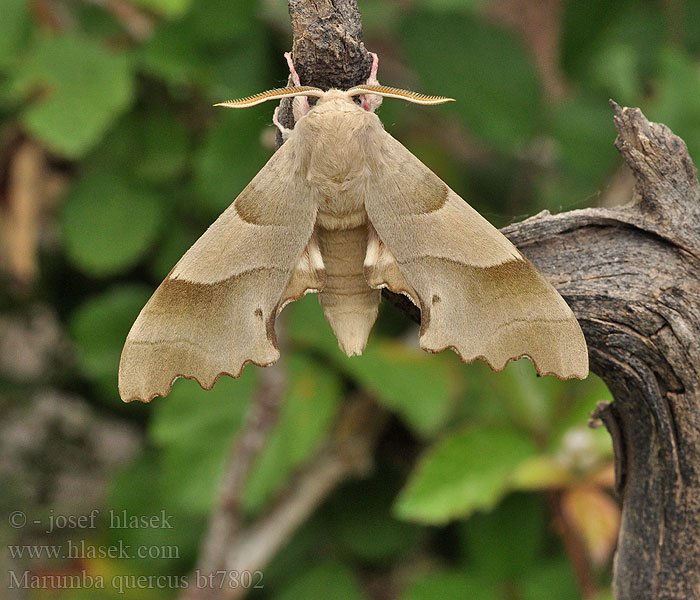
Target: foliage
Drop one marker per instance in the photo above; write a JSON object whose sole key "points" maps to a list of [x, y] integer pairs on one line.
{"points": [[476, 466]]}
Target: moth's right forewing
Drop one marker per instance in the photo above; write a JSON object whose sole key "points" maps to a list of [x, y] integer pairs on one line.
{"points": [[216, 310], [478, 295]]}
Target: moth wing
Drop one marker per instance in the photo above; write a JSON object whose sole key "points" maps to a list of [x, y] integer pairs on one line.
{"points": [[477, 293], [215, 311]]}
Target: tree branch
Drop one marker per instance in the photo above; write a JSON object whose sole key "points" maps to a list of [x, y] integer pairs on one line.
{"points": [[225, 521], [348, 453], [632, 276], [327, 49]]}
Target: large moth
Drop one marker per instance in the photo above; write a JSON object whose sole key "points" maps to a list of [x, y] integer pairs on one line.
{"points": [[343, 209]]}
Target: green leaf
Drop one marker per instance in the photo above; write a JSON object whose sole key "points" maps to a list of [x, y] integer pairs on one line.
{"points": [[541, 472], [449, 585], [83, 89], [593, 29], [617, 71], [228, 159], [195, 430], [584, 133], [465, 471], [169, 8], [506, 544], [327, 580], [488, 73], [224, 56], [242, 71], [223, 21], [689, 16], [522, 398], [574, 410], [311, 401], [95, 22], [107, 224], [307, 325], [420, 387], [14, 27], [172, 53], [150, 145], [159, 149], [552, 579], [99, 328], [585, 24], [362, 522], [677, 104], [138, 490]]}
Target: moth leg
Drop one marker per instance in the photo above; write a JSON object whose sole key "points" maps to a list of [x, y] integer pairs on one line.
{"points": [[285, 131], [300, 104], [372, 80], [371, 102], [292, 69]]}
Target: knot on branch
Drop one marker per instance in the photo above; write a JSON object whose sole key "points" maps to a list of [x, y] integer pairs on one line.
{"points": [[667, 189]]}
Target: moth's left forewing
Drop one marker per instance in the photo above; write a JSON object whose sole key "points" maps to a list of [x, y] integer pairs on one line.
{"points": [[478, 295], [215, 311]]}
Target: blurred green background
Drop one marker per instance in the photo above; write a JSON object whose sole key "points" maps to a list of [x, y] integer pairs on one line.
{"points": [[113, 161]]}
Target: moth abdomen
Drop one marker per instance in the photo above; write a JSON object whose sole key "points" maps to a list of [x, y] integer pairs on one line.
{"points": [[348, 302]]}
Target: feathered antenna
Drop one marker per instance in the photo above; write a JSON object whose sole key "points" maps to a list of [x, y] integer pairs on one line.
{"points": [[276, 94], [390, 92]]}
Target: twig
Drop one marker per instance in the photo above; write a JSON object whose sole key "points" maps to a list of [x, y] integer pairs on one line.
{"points": [[604, 414], [347, 454], [138, 25], [574, 548], [327, 48], [51, 15], [225, 521], [19, 226], [232, 549]]}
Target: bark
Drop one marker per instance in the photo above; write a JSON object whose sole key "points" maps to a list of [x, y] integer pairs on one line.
{"points": [[327, 49], [632, 276]]}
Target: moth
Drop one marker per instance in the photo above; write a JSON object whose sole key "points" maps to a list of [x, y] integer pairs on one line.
{"points": [[343, 209]]}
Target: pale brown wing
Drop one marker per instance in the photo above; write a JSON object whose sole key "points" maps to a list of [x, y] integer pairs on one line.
{"points": [[216, 310], [478, 295]]}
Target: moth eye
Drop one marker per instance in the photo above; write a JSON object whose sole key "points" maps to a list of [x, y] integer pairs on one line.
{"points": [[258, 313]]}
